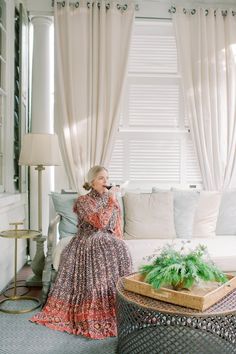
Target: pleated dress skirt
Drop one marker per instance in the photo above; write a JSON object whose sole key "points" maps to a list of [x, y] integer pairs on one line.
{"points": [[82, 300]]}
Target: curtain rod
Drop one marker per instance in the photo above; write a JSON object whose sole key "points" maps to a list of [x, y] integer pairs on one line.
{"points": [[153, 18], [172, 10], [76, 4]]}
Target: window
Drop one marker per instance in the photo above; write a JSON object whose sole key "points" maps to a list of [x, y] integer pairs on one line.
{"points": [[153, 145]]}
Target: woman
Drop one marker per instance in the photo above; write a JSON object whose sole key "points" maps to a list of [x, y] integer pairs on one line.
{"points": [[82, 300]]}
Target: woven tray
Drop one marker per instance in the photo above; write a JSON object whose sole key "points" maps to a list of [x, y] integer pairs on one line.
{"points": [[200, 297]]}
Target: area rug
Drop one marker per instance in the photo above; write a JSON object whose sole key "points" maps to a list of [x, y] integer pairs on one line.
{"points": [[19, 336]]}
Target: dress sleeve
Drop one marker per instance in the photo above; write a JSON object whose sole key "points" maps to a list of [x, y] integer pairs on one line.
{"points": [[87, 210]]}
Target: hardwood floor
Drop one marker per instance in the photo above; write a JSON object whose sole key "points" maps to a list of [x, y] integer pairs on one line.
{"points": [[22, 275]]}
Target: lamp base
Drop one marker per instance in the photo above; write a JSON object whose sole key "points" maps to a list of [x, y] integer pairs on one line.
{"points": [[37, 264], [20, 298], [34, 280]]}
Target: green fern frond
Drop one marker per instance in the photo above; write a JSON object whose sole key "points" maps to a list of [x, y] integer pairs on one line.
{"points": [[172, 267]]}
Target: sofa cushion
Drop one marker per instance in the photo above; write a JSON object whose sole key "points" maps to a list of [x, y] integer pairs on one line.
{"points": [[149, 215], [185, 206], [63, 204], [195, 212], [226, 222], [57, 251], [206, 214], [221, 249]]}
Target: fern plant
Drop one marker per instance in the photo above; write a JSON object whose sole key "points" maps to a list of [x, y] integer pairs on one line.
{"points": [[180, 269]]}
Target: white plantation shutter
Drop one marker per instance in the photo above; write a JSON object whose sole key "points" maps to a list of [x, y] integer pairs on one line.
{"points": [[154, 160], [153, 48], [153, 145], [153, 104], [116, 172]]}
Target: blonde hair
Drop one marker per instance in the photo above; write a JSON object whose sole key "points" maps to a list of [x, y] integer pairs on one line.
{"points": [[92, 174]]}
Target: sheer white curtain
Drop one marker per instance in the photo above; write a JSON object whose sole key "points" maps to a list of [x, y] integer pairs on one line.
{"points": [[206, 42], [91, 51]]}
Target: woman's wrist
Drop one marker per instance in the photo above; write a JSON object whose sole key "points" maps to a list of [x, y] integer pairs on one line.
{"points": [[112, 193]]}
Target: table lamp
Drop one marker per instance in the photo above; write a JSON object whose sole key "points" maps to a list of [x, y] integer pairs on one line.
{"points": [[40, 150]]}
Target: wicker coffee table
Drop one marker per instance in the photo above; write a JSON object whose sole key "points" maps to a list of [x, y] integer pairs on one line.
{"points": [[148, 326]]}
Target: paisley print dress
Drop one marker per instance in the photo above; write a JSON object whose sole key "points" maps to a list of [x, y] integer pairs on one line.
{"points": [[82, 301]]}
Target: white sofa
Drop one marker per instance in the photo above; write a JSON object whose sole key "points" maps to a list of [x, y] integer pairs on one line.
{"points": [[151, 220]]}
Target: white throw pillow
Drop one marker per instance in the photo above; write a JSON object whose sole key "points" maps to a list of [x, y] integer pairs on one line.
{"points": [[149, 215], [206, 214]]}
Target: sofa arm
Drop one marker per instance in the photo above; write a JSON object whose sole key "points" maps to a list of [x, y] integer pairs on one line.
{"points": [[52, 233], [48, 268]]}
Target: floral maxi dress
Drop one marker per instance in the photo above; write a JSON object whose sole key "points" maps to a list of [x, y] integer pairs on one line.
{"points": [[82, 300]]}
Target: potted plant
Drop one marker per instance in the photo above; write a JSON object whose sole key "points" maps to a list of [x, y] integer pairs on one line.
{"points": [[181, 269]]}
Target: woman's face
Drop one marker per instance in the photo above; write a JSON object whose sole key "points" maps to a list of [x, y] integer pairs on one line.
{"points": [[101, 181]]}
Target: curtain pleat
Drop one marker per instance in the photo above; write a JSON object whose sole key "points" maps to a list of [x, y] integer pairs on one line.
{"points": [[91, 54], [207, 55]]}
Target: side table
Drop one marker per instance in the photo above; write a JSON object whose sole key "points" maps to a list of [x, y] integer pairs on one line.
{"points": [[150, 326], [19, 234]]}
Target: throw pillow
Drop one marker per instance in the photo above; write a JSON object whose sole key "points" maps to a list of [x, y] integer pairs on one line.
{"points": [[149, 215], [156, 189], [205, 218], [121, 204], [63, 204], [226, 223], [185, 206]]}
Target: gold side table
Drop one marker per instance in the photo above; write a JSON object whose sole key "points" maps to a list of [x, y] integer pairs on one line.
{"points": [[19, 234]]}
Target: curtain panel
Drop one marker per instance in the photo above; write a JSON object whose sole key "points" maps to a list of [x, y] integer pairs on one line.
{"points": [[206, 43], [92, 42]]}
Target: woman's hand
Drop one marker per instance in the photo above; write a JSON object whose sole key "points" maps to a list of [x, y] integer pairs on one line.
{"points": [[113, 191]]}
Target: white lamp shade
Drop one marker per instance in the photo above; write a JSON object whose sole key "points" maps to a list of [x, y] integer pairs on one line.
{"points": [[40, 149]]}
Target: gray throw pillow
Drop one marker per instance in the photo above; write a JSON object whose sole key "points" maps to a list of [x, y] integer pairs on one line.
{"points": [[226, 222], [185, 205], [63, 204]]}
